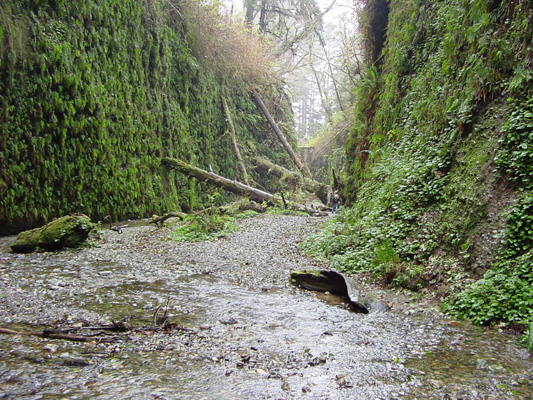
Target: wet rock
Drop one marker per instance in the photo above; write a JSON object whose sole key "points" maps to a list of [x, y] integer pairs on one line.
{"points": [[67, 231]]}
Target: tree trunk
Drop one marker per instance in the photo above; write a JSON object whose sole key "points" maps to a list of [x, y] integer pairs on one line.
{"points": [[218, 181], [231, 186], [234, 142], [281, 137], [319, 189]]}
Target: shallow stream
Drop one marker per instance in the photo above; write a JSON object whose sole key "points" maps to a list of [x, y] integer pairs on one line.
{"points": [[241, 331]]}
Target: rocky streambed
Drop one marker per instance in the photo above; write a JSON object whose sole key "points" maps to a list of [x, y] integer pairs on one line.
{"points": [[227, 324]]}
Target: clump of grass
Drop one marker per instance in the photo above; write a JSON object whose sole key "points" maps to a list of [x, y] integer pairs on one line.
{"points": [[246, 214], [206, 226]]}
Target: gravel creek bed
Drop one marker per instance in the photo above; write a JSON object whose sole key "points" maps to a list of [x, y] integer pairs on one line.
{"points": [[241, 330]]}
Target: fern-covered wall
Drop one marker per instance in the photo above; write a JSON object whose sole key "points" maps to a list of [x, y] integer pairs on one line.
{"points": [[92, 94], [440, 157]]}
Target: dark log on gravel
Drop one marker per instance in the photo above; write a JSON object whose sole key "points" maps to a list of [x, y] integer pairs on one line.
{"points": [[218, 181], [282, 137], [49, 335], [336, 283], [319, 189]]}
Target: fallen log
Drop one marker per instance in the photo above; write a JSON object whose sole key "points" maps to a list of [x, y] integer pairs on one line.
{"points": [[305, 171], [218, 181], [336, 283], [238, 188], [319, 189]]}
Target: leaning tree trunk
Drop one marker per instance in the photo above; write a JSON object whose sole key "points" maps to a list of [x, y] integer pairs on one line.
{"points": [[305, 171], [234, 141], [319, 189], [218, 181]]}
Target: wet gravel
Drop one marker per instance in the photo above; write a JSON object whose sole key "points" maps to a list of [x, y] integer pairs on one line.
{"points": [[235, 326]]}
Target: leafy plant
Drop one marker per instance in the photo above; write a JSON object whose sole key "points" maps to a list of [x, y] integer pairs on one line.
{"points": [[516, 157], [246, 214], [206, 226]]}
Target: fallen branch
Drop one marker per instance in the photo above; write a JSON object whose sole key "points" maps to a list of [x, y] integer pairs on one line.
{"points": [[48, 335], [232, 186], [234, 141], [158, 220]]}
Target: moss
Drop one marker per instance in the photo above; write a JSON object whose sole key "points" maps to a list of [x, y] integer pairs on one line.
{"points": [[94, 95], [26, 241], [68, 231]]}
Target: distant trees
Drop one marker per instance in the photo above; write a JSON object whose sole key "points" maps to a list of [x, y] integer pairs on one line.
{"points": [[320, 57]]}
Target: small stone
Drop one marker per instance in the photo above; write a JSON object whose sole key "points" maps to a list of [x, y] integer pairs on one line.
{"points": [[52, 348], [306, 389], [285, 386], [437, 384], [481, 364]]}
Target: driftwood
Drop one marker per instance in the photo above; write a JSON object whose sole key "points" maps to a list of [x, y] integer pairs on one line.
{"points": [[305, 171], [336, 283], [234, 142], [158, 220], [238, 188], [117, 329], [319, 189], [218, 181], [48, 335]]}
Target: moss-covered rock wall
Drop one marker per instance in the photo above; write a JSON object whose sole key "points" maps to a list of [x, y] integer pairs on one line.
{"points": [[92, 94]]}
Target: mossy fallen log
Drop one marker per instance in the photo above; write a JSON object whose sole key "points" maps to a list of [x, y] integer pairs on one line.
{"points": [[218, 181], [319, 189], [67, 231], [232, 186]]}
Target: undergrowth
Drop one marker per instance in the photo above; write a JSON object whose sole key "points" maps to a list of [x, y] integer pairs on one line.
{"points": [[443, 123], [206, 226]]}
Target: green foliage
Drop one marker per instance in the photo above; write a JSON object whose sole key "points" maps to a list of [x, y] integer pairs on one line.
{"points": [[206, 226], [247, 214], [505, 293], [285, 211], [518, 237], [420, 174], [516, 157], [94, 94]]}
